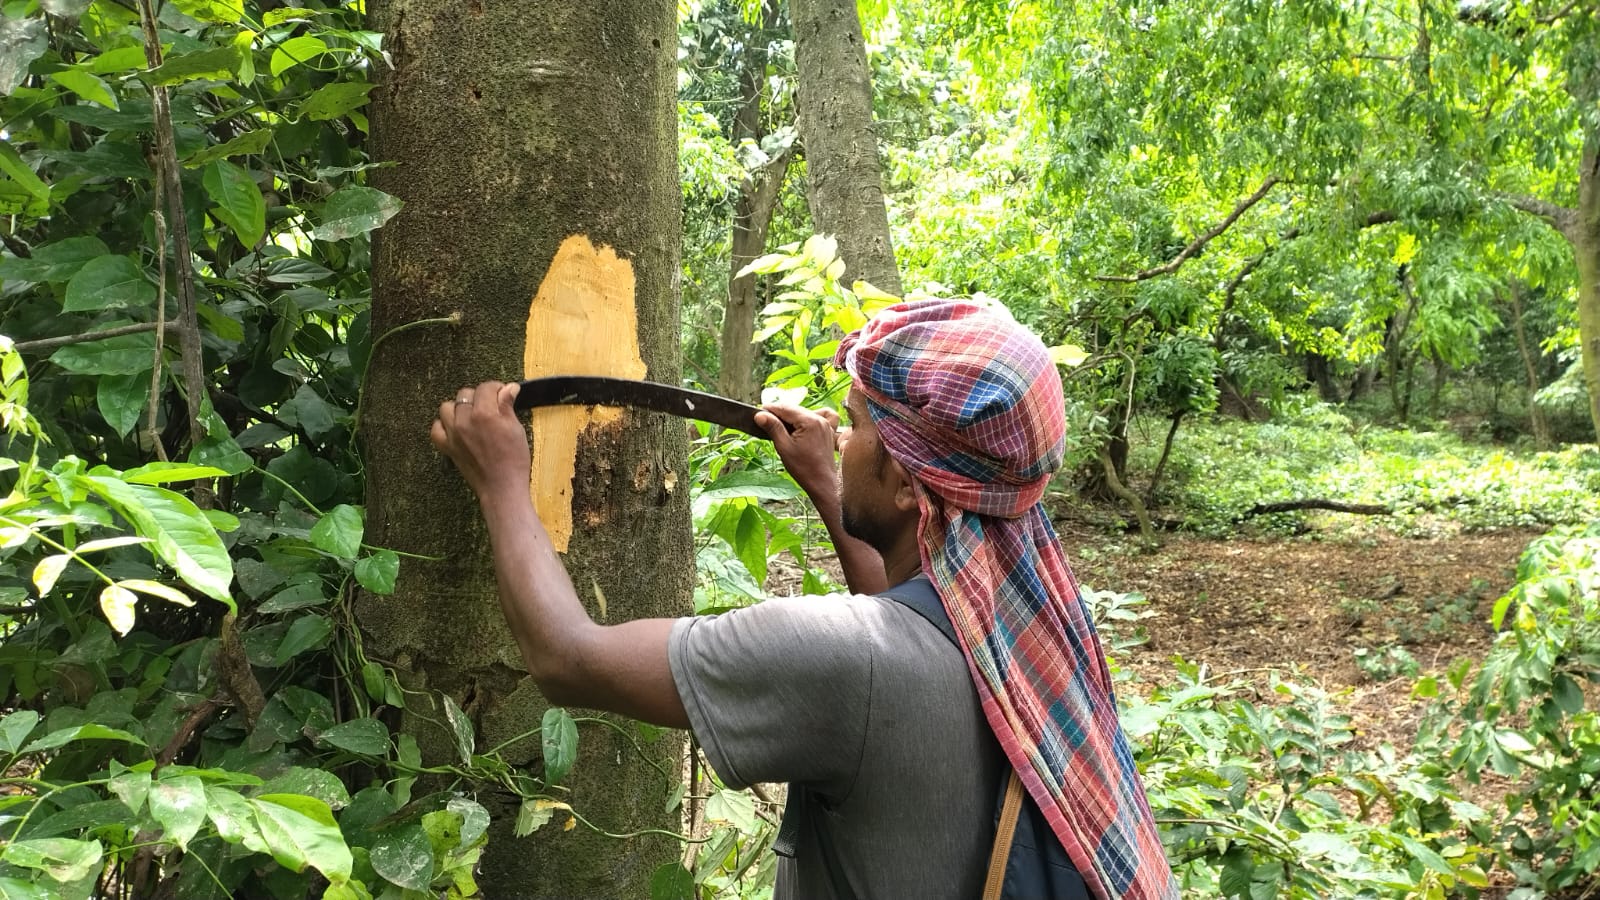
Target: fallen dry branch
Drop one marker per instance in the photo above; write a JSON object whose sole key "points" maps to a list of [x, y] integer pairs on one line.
{"points": [[1359, 509]]}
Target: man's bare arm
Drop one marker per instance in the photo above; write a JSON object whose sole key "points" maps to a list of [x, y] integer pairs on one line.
{"points": [[576, 662]]}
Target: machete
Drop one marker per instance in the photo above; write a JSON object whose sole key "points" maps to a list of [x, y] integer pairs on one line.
{"points": [[590, 390]]}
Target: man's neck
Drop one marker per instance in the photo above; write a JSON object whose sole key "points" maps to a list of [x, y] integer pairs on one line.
{"points": [[904, 562]]}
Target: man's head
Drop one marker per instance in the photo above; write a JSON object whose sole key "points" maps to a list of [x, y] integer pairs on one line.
{"points": [[879, 504], [964, 401]]}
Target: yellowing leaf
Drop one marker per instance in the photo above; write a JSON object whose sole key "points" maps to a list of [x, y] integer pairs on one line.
{"points": [[835, 269], [157, 589], [872, 299], [1069, 355], [117, 603], [821, 249], [1406, 250], [48, 570]]}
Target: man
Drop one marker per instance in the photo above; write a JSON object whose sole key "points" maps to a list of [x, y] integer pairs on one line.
{"points": [[898, 739]]}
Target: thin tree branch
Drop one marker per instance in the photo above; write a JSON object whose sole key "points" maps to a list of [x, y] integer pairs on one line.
{"points": [[119, 331], [1198, 243], [1559, 14], [169, 177]]}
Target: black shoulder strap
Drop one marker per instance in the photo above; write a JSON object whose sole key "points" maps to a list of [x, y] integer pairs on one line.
{"points": [[919, 595]]}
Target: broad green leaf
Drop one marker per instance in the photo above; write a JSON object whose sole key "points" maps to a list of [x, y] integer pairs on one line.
{"points": [[404, 855], [461, 727], [66, 736], [179, 804], [672, 882], [558, 735], [14, 888], [119, 60], [305, 633], [225, 11], [55, 262], [365, 736], [737, 808], [757, 485], [318, 783], [169, 472], [122, 399], [301, 831], [86, 86], [295, 51], [354, 210], [132, 787], [15, 728], [474, 819], [378, 572], [1238, 870], [339, 532], [295, 270], [295, 596], [531, 816], [47, 570], [109, 356], [13, 165], [184, 539], [233, 818], [211, 64], [247, 144], [110, 282], [287, 14], [126, 540], [334, 100], [157, 589], [117, 602], [62, 859], [238, 200], [22, 40]]}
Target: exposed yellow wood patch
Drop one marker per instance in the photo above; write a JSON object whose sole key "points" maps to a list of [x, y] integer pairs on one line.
{"points": [[581, 322]]}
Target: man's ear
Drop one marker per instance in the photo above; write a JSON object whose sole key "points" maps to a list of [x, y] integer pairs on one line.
{"points": [[905, 493]]}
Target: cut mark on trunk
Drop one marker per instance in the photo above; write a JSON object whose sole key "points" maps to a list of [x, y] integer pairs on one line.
{"points": [[582, 322]]}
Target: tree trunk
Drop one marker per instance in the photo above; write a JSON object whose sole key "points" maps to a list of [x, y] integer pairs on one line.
{"points": [[1166, 452], [1319, 369], [536, 155], [1585, 237], [752, 218], [834, 104], [1541, 428]]}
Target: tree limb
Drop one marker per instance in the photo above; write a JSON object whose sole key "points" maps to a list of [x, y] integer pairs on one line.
{"points": [[64, 340], [1198, 243], [1559, 14], [1359, 509], [1559, 217]]}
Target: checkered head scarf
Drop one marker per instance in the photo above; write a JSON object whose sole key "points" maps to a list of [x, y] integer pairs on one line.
{"points": [[970, 403]]}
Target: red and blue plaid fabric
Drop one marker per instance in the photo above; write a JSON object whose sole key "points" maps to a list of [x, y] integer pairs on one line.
{"points": [[971, 404]]}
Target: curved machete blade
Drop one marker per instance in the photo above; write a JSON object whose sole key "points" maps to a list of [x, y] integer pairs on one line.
{"points": [[590, 390]]}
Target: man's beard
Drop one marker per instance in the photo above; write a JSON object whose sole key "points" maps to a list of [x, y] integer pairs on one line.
{"points": [[863, 527]]}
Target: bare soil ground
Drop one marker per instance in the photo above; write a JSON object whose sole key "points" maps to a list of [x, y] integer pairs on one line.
{"points": [[1264, 607]]}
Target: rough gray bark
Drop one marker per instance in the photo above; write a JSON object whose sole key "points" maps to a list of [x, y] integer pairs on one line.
{"points": [[515, 127], [834, 103]]}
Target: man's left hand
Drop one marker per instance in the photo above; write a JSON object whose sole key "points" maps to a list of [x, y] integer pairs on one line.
{"points": [[479, 430]]}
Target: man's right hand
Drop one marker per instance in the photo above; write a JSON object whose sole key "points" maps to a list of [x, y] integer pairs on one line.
{"points": [[807, 445]]}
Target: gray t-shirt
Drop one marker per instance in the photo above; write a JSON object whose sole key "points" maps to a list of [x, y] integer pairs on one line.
{"points": [[864, 702]]}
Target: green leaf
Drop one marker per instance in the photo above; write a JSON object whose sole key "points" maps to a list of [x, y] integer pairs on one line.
{"points": [[378, 572], [339, 532], [287, 14], [110, 282], [15, 728], [212, 64], [60, 858], [66, 9], [672, 882], [170, 472], [295, 270], [22, 40], [86, 86], [233, 818], [38, 193], [559, 738], [404, 856], [756, 485], [365, 736], [225, 11], [132, 787], [295, 51], [300, 831], [121, 400], [354, 210], [305, 633], [12, 888], [334, 100], [1426, 855], [108, 356], [1568, 695], [1238, 869], [65, 736], [734, 807], [295, 596], [117, 61], [179, 804], [239, 203], [461, 727], [531, 816], [55, 262], [184, 539], [318, 783], [247, 144], [474, 819]]}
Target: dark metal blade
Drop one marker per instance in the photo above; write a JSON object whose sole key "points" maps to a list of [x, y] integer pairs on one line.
{"points": [[590, 390]]}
